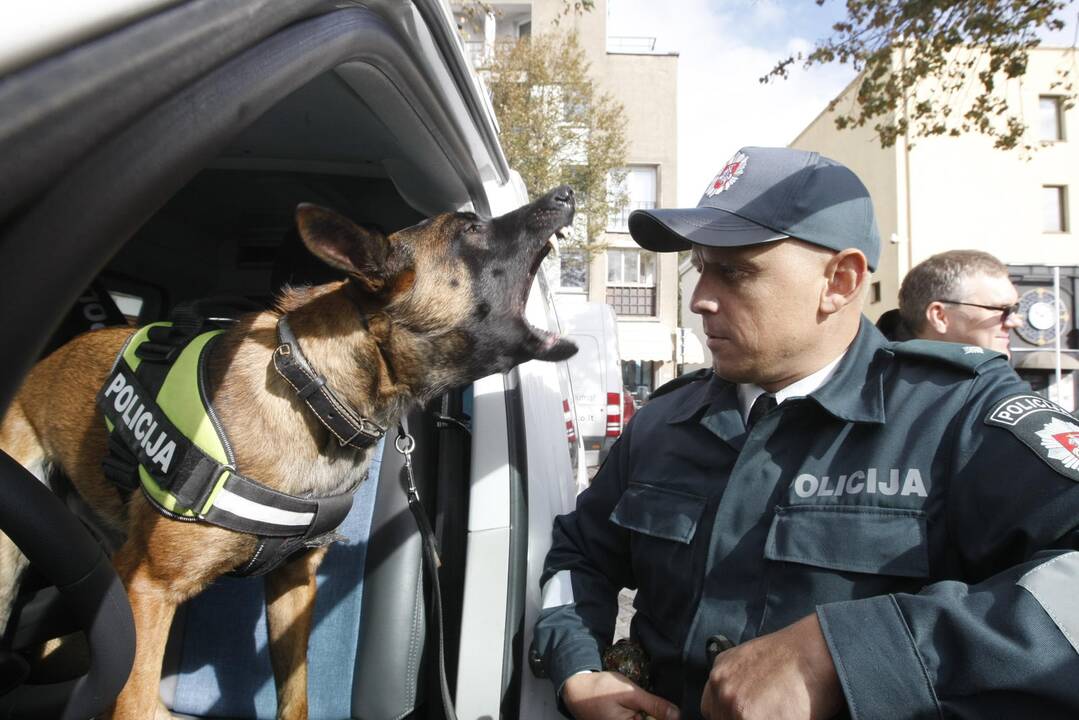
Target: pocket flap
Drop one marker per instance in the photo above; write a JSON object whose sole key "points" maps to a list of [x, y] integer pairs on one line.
{"points": [[883, 541], [659, 512]]}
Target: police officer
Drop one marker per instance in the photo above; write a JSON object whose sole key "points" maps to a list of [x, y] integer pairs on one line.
{"points": [[885, 530]]}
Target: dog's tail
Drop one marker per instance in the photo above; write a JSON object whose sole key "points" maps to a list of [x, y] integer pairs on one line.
{"points": [[19, 440]]}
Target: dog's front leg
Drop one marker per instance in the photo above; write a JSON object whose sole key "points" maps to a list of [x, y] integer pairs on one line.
{"points": [[162, 564], [153, 607], [290, 607]]}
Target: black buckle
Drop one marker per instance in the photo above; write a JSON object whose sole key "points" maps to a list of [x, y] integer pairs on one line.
{"points": [[157, 352]]}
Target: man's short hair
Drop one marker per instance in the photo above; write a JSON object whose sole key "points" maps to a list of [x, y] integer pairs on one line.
{"points": [[940, 277]]}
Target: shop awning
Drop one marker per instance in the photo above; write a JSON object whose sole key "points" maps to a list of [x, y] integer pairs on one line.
{"points": [[643, 341], [689, 348]]}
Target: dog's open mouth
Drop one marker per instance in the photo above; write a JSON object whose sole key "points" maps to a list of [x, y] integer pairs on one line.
{"points": [[544, 344]]}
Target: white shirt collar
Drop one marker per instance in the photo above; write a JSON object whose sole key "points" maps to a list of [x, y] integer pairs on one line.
{"points": [[748, 392]]}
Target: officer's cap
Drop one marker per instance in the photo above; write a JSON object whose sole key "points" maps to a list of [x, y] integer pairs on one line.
{"points": [[765, 194]]}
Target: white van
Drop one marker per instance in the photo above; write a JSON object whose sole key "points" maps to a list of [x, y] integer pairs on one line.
{"points": [[596, 375]]}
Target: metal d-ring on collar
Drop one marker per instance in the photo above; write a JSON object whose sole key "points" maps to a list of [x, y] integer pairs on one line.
{"points": [[349, 427]]}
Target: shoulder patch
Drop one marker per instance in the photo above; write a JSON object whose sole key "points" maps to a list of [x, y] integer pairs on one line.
{"points": [[1043, 426], [681, 380], [967, 357]]}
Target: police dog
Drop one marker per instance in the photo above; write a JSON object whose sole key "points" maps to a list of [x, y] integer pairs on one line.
{"points": [[426, 309]]}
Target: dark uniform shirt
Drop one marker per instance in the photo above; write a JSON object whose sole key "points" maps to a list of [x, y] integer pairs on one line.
{"points": [[924, 502]]}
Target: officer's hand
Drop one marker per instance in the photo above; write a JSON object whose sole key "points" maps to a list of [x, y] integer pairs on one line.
{"points": [[787, 675], [612, 696]]}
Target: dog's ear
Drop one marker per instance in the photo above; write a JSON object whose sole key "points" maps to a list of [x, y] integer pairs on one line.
{"points": [[360, 251]]}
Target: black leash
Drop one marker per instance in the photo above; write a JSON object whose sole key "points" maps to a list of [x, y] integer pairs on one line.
{"points": [[405, 444]]}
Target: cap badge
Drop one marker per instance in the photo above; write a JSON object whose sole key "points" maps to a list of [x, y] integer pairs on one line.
{"points": [[1061, 441], [728, 175]]}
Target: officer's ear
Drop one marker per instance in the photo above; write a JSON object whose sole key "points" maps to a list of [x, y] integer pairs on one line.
{"points": [[846, 276], [935, 317]]}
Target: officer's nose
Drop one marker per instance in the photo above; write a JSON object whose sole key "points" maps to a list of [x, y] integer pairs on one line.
{"points": [[702, 301]]}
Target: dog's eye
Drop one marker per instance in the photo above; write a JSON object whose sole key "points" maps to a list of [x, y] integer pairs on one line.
{"points": [[473, 228]]}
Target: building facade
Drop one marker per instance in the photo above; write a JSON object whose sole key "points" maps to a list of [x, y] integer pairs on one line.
{"points": [[641, 286], [947, 193]]}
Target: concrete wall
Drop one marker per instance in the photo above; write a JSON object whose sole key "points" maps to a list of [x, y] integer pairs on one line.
{"points": [[647, 87], [965, 193], [590, 26]]}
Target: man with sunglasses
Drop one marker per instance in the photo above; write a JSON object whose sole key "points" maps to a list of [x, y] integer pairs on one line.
{"points": [[961, 296]]}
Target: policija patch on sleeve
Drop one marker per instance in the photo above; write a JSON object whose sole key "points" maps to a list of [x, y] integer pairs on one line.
{"points": [[1045, 427]]}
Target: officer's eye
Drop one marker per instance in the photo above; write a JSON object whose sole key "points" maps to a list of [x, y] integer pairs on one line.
{"points": [[732, 273]]}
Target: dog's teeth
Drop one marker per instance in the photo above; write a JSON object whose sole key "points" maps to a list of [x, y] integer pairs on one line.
{"points": [[553, 244]]}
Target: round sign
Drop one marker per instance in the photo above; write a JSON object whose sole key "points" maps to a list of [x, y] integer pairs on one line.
{"points": [[1043, 316]]}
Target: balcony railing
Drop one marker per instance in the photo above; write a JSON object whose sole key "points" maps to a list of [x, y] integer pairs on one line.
{"points": [[619, 221], [631, 44]]}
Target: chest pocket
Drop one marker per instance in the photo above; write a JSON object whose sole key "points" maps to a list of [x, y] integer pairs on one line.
{"points": [[828, 554], [659, 512], [883, 541], [662, 525]]}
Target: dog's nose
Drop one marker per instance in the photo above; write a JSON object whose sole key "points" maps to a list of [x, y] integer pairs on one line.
{"points": [[564, 194]]}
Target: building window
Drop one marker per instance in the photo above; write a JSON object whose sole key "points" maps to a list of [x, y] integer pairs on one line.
{"points": [[630, 266], [638, 187], [573, 270], [631, 281], [1054, 208], [575, 107], [874, 292], [1051, 118]]}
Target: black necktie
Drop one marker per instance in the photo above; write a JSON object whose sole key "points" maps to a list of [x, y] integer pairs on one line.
{"points": [[764, 403]]}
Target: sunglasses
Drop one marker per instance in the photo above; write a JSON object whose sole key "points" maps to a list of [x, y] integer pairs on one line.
{"points": [[1006, 311]]}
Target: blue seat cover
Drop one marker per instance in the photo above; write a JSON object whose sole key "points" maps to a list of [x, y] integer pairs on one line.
{"points": [[225, 668]]}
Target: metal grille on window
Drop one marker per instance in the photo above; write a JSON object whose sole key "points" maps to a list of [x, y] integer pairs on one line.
{"points": [[632, 300], [631, 281]]}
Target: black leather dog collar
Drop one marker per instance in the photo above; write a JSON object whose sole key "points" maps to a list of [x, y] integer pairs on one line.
{"points": [[349, 427]]}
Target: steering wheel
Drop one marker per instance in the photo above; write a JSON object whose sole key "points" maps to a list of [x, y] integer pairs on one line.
{"points": [[65, 553]]}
